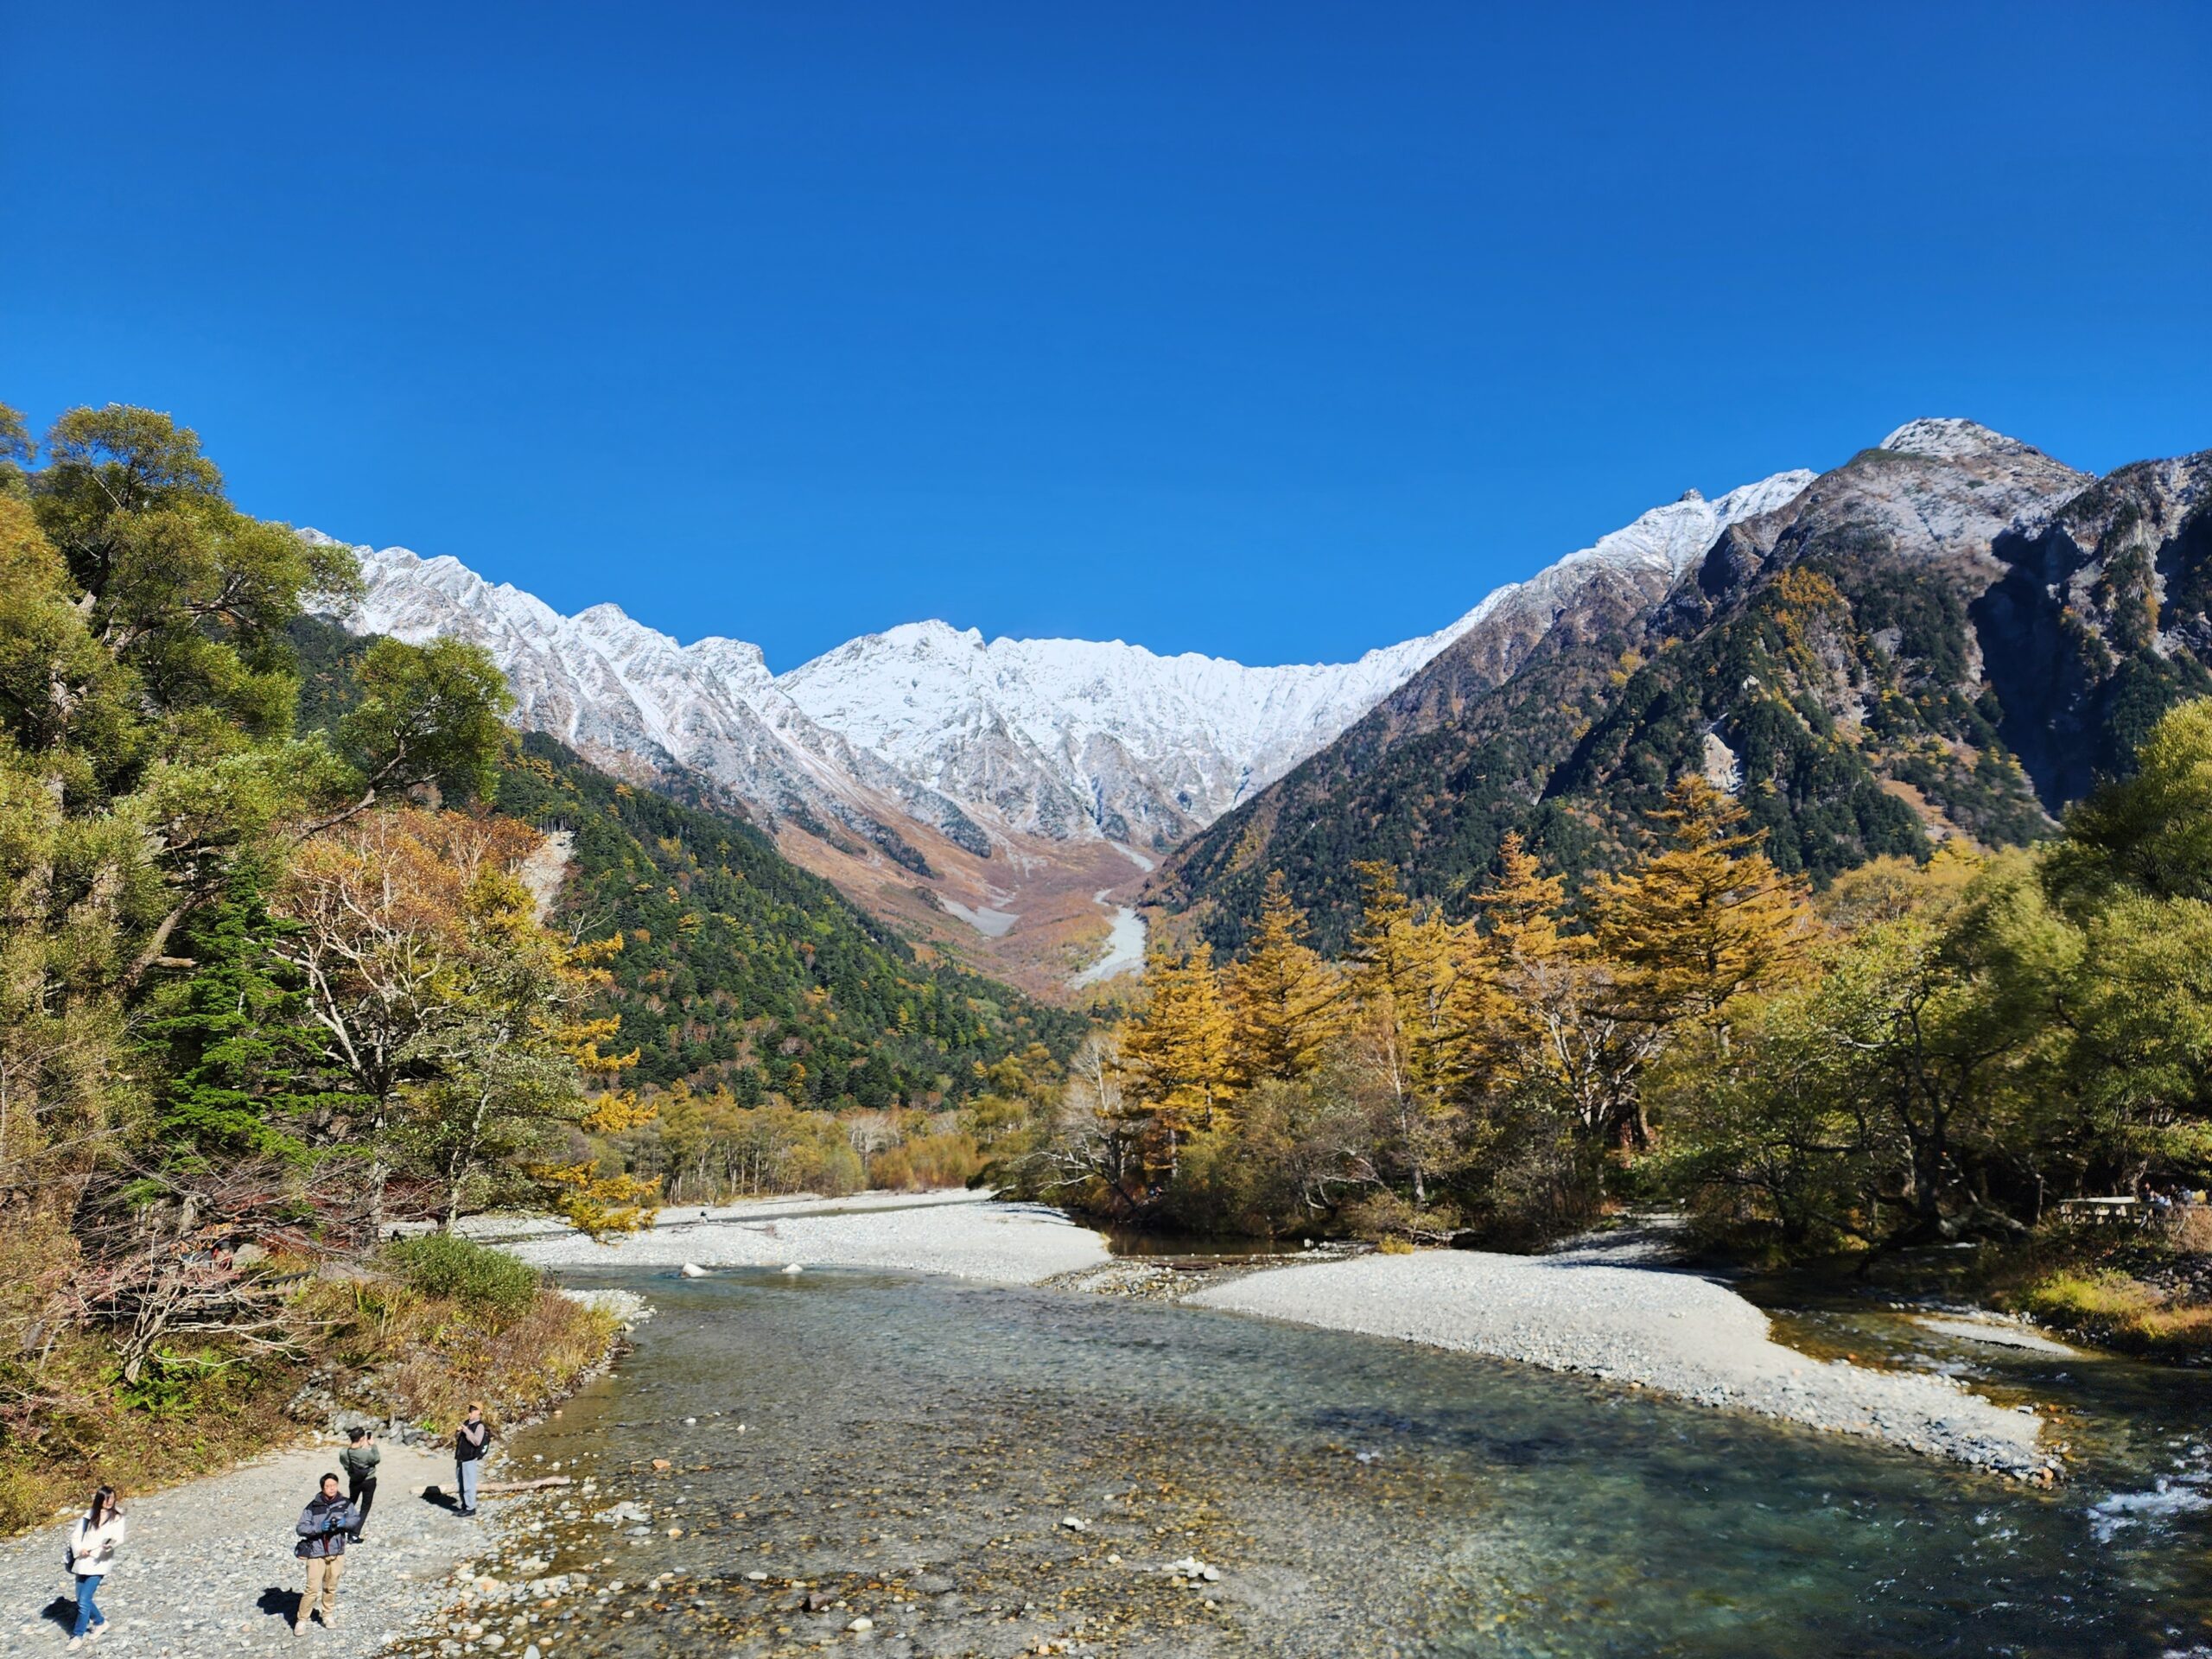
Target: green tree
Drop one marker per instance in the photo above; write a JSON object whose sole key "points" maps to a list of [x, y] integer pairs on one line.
{"points": [[243, 1066]]}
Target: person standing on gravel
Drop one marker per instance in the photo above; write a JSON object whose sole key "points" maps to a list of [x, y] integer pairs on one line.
{"points": [[359, 1461], [90, 1553], [325, 1525], [470, 1442]]}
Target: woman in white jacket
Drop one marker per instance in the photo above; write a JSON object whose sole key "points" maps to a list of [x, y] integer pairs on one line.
{"points": [[92, 1543]]}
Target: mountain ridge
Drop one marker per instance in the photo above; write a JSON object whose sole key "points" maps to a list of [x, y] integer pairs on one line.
{"points": [[1865, 664], [975, 790]]}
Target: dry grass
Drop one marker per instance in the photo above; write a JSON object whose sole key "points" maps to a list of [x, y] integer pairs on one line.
{"points": [[371, 1341], [2113, 1308], [927, 1162], [394, 1351]]}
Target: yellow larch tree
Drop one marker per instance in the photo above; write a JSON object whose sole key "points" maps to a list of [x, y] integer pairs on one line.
{"points": [[1703, 919], [1179, 1049], [1285, 1007], [1410, 1023]]}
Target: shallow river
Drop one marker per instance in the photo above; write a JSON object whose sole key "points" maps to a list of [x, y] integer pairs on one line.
{"points": [[912, 1447]]}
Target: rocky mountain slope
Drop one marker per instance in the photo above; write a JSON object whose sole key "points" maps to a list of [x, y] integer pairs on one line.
{"points": [[993, 795], [739, 969], [1950, 633]]}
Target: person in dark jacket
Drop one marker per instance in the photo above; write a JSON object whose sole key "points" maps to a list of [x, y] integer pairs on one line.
{"points": [[470, 1442], [359, 1461], [325, 1525]]}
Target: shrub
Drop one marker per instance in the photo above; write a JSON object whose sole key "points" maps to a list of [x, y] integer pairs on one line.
{"points": [[925, 1162], [2192, 1231], [2113, 1308], [488, 1281]]}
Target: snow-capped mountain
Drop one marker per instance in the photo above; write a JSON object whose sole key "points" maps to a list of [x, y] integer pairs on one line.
{"points": [[1061, 737], [936, 774], [621, 692], [1068, 737]]}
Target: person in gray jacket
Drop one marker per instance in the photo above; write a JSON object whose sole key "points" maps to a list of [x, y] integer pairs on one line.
{"points": [[325, 1525]]}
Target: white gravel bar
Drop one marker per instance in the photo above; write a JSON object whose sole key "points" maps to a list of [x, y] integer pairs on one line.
{"points": [[961, 1234], [1670, 1332]]}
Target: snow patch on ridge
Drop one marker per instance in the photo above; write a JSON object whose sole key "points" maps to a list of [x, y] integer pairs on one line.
{"points": [[1062, 739]]}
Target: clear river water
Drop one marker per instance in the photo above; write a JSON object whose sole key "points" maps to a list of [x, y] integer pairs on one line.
{"points": [[911, 1449]]}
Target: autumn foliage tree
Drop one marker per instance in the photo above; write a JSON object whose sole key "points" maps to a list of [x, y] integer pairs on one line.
{"points": [[1703, 920], [1286, 1005]]}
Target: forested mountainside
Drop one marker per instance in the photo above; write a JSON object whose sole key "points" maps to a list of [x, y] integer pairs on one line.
{"points": [[999, 798], [1951, 634], [738, 969]]}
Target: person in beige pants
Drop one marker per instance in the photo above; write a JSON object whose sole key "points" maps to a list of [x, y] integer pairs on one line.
{"points": [[324, 1526]]}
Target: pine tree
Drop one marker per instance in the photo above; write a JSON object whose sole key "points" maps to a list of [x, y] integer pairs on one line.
{"points": [[1284, 1003], [242, 1062], [1705, 918]]}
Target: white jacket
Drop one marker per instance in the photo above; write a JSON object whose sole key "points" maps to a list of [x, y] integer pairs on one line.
{"points": [[91, 1550]]}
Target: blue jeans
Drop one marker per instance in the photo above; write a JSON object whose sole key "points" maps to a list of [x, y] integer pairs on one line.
{"points": [[87, 1615], [465, 1475]]}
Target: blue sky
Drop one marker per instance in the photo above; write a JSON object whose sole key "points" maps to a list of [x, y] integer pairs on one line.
{"points": [[1277, 332]]}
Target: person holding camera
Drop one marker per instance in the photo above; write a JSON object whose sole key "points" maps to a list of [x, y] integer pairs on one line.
{"points": [[325, 1525], [359, 1461], [470, 1442]]}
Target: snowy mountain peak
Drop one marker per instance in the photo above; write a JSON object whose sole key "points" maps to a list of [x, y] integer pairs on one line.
{"points": [[1948, 438]]}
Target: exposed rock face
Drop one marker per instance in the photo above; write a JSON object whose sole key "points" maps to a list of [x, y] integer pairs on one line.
{"points": [[1950, 633], [2100, 621]]}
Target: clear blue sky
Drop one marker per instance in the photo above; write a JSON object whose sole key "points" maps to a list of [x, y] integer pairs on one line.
{"points": [[1273, 330]]}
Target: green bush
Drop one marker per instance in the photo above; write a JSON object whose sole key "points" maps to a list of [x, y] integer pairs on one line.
{"points": [[442, 1265]]}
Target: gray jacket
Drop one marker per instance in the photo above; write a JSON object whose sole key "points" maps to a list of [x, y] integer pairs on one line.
{"points": [[323, 1526]]}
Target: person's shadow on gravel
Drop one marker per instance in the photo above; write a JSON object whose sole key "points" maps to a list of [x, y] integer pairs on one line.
{"points": [[62, 1610], [279, 1602]]}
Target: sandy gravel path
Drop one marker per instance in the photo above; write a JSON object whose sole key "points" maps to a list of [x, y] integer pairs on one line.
{"points": [[208, 1567], [1672, 1332]]}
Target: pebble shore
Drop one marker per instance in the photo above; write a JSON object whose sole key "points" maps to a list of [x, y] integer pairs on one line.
{"points": [[959, 1233], [208, 1569], [1671, 1331]]}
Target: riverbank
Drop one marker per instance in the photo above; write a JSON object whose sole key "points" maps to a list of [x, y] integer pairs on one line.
{"points": [[208, 1566], [408, 1335], [960, 1233], [1642, 1327]]}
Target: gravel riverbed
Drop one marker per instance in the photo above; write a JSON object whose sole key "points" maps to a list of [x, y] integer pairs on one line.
{"points": [[960, 1234], [1645, 1328], [208, 1569]]}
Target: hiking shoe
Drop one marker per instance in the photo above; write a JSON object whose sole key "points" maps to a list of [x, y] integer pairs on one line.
{"points": [[300, 1628]]}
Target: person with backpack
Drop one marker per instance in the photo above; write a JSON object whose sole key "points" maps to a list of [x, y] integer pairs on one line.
{"points": [[359, 1461], [324, 1526], [88, 1555], [470, 1442]]}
